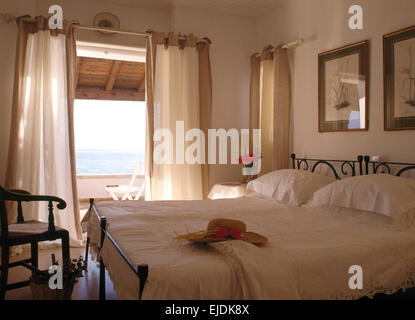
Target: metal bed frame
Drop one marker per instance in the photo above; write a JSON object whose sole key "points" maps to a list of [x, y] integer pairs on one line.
{"points": [[141, 270], [363, 165]]}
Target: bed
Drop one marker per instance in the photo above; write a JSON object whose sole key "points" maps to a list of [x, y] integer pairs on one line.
{"points": [[310, 254]]}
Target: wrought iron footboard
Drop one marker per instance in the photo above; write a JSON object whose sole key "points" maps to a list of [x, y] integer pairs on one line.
{"points": [[141, 270]]}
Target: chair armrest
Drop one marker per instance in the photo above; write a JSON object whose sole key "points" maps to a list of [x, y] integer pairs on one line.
{"points": [[19, 191], [12, 195]]}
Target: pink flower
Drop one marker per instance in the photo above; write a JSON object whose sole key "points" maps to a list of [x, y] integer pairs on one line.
{"points": [[235, 233], [248, 159], [221, 232]]}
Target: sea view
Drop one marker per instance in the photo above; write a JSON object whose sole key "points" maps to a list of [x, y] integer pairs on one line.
{"points": [[106, 161]]}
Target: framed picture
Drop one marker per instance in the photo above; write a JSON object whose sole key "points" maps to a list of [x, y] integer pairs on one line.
{"points": [[344, 88], [399, 79]]}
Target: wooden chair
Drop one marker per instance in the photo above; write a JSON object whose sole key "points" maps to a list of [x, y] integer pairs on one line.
{"points": [[25, 232]]}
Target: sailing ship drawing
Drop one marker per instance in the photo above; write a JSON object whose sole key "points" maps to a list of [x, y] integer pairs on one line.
{"points": [[408, 84], [341, 91]]}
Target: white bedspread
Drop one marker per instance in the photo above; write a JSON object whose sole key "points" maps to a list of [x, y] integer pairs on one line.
{"points": [[307, 257]]}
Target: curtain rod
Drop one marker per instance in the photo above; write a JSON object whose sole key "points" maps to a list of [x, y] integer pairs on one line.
{"points": [[287, 45], [143, 34], [81, 27], [292, 44], [9, 17]]}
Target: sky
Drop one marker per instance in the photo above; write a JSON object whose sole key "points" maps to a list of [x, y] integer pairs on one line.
{"points": [[109, 125]]}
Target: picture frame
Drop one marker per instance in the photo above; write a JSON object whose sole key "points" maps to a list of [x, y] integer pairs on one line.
{"points": [[399, 79], [343, 86]]}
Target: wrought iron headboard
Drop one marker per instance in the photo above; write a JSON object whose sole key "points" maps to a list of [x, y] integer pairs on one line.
{"points": [[346, 168], [373, 167], [363, 165]]}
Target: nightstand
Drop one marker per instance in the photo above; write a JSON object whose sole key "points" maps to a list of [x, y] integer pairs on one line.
{"points": [[228, 190]]}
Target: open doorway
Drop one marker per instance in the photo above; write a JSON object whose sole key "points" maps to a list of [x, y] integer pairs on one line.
{"points": [[109, 117]]}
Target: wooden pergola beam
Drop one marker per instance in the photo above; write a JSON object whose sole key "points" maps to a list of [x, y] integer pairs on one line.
{"points": [[77, 68], [116, 64], [142, 86], [115, 94]]}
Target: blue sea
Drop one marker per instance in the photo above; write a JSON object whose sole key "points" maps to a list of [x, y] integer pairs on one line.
{"points": [[106, 161]]}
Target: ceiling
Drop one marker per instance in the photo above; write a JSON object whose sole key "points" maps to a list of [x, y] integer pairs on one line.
{"points": [[103, 79], [109, 51], [245, 8]]}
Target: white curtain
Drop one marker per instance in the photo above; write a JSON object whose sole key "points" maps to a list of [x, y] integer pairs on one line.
{"points": [[176, 98], [267, 114], [270, 106], [43, 156]]}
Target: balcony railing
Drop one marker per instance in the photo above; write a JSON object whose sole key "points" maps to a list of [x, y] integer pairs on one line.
{"points": [[93, 185]]}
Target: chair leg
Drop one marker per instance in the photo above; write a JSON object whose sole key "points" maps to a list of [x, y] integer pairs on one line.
{"points": [[4, 271], [86, 250], [65, 250], [34, 256]]}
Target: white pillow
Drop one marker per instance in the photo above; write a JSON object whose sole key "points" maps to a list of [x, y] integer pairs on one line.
{"points": [[293, 187], [382, 193]]}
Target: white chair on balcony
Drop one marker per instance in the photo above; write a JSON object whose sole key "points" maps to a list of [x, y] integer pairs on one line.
{"points": [[128, 191]]}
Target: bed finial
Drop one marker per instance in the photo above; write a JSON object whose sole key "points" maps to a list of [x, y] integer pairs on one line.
{"points": [[293, 159], [360, 159], [366, 160]]}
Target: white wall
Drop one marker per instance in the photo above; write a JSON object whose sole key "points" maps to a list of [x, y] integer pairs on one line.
{"points": [[324, 26], [135, 19]]}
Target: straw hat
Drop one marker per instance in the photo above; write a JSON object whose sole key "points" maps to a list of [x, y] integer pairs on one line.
{"points": [[222, 230]]}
